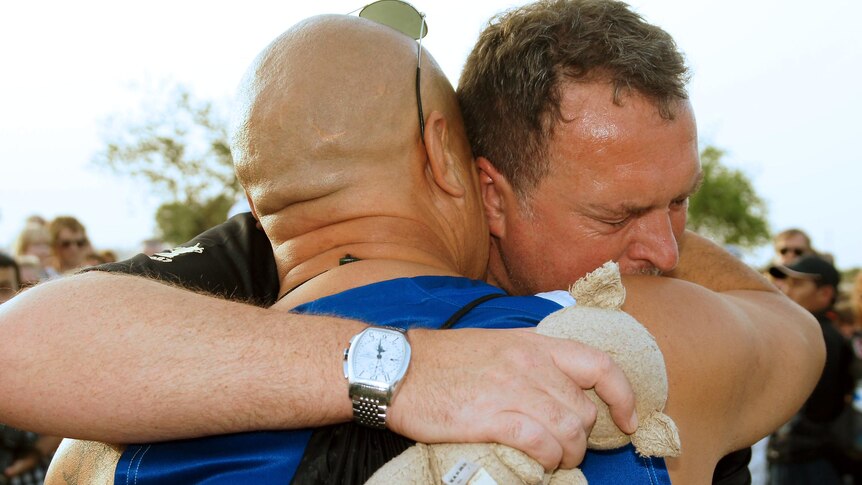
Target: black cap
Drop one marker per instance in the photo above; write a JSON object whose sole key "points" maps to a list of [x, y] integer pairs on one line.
{"points": [[810, 267]]}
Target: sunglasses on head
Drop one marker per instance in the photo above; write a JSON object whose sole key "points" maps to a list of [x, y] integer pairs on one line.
{"points": [[67, 243], [795, 251], [404, 18]]}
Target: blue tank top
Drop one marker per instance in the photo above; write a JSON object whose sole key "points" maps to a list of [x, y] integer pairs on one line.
{"points": [[421, 302]]}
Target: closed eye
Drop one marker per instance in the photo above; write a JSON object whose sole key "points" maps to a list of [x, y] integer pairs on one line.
{"points": [[617, 223], [680, 202]]}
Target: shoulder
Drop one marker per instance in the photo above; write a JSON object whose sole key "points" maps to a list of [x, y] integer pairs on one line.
{"points": [[233, 260], [739, 363]]}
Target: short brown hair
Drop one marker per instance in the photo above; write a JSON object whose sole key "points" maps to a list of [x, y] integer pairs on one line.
{"points": [[510, 87], [788, 233], [65, 222]]}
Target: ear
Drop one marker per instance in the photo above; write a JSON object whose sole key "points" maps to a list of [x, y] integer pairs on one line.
{"points": [[444, 164], [497, 195]]}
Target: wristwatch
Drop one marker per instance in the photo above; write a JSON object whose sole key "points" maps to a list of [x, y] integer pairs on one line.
{"points": [[374, 364]]}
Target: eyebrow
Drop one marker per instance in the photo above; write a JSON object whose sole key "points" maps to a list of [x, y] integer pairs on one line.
{"points": [[631, 210]]}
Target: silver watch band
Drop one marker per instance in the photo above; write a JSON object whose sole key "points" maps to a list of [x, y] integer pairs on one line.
{"points": [[370, 412], [371, 397]]}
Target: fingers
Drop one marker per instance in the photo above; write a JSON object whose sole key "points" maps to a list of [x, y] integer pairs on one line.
{"points": [[589, 368], [570, 422], [511, 387], [21, 465], [527, 417], [523, 433]]}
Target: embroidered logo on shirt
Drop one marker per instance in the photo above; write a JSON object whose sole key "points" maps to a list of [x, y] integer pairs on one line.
{"points": [[168, 256]]}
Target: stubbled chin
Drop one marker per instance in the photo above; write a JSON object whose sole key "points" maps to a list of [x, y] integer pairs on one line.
{"points": [[644, 271]]}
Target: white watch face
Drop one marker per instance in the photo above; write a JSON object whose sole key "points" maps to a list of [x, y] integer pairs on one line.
{"points": [[381, 356]]}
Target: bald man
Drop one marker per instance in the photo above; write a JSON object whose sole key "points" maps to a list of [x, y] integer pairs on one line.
{"points": [[291, 150]]}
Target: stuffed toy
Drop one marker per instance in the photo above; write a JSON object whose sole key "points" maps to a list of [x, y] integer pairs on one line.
{"points": [[595, 320]]}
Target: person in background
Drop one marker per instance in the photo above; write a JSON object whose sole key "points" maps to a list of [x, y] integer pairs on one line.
{"points": [[30, 269], [108, 256], [36, 220], [152, 246], [35, 240], [791, 244], [849, 427], [856, 299], [803, 451], [10, 276], [69, 244]]}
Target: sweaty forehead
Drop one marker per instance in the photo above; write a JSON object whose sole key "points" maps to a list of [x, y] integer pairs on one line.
{"points": [[621, 156], [596, 134]]}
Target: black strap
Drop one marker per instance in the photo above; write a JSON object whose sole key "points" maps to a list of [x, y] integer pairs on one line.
{"points": [[466, 308]]}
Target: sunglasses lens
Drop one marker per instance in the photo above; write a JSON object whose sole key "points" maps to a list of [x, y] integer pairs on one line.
{"points": [[398, 15], [67, 244]]}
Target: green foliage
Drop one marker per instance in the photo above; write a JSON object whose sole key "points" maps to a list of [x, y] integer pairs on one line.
{"points": [[180, 150], [181, 221], [726, 208]]}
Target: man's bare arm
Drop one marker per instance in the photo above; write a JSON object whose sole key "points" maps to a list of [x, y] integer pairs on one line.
{"points": [[740, 361], [119, 358], [704, 263], [124, 359]]}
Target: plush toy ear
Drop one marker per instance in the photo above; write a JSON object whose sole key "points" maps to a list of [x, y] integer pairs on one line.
{"points": [[603, 288]]}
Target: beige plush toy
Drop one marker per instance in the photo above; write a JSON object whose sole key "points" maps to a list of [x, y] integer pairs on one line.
{"points": [[595, 320]]}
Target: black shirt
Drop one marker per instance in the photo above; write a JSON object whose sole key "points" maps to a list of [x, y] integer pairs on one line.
{"points": [[808, 436], [233, 260]]}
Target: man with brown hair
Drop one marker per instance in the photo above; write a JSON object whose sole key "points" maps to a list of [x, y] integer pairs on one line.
{"points": [[559, 98], [791, 244], [69, 243], [578, 116]]}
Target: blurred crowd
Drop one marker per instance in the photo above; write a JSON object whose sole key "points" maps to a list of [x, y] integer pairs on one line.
{"points": [[821, 444], [43, 250]]}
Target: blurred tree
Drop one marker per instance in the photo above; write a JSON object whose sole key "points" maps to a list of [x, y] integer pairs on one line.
{"points": [[179, 147], [726, 209]]}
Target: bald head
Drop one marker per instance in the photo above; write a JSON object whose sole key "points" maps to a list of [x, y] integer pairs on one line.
{"points": [[328, 105], [326, 142]]}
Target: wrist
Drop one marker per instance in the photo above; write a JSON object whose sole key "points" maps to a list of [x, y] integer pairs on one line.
{"points": [[375, 362]]}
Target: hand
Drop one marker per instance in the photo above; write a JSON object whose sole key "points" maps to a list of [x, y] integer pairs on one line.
{"points": [[23, 464], [512, 387]]}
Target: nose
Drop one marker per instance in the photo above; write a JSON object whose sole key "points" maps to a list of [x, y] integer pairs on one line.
{"points": [[656, 242]]}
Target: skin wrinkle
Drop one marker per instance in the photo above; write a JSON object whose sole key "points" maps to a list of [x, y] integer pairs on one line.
{"points": [[327, 138]]}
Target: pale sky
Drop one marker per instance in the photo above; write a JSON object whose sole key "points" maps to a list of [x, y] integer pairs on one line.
{"points": [[775, 84]]}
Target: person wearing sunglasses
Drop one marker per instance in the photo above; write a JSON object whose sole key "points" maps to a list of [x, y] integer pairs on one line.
{"points": [[790, 245], [69, 243], [449, 392]]}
